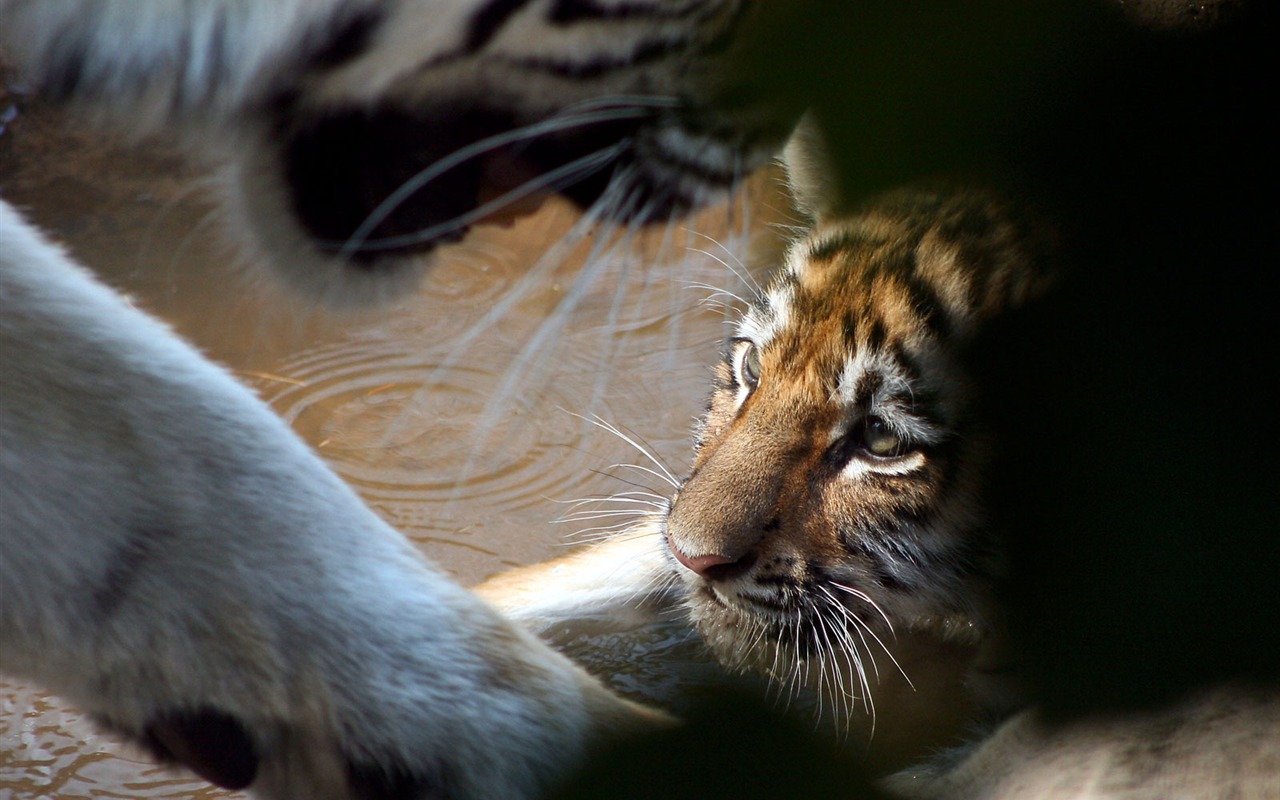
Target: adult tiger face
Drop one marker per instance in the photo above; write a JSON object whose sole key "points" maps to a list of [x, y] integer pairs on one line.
{"points": [[623, 105], [363, 134]]}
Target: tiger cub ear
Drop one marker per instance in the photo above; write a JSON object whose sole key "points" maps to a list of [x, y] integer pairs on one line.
{"points": [[811, 174]]}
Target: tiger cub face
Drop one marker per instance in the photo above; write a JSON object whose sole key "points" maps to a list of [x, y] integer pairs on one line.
{"points": [[829, 531]]}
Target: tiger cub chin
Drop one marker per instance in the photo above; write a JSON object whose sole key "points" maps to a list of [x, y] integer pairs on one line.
{"points": [[829, 535]]}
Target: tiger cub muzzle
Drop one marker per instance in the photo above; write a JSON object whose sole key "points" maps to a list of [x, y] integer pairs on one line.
{"points": [[748, 505]]}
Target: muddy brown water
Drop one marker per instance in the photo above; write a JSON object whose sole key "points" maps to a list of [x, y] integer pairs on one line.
{"points": [[468, 438]]}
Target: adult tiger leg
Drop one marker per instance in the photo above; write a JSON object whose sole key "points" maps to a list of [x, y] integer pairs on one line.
{"points": [[177, 562]]}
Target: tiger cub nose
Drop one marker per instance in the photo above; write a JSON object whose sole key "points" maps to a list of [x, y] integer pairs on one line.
{"points": [[714, 566]]}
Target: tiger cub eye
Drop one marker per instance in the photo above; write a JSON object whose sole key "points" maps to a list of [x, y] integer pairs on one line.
{"points": [[751, 365], [880, 440]]}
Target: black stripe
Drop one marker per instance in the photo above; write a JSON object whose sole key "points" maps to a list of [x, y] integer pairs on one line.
{"points": [[887, 578], [383, 781], [128, 564], [218, 57], [67, 75], [875, 562], [784, 581], [913, 372], [928, 304], [947, 457], [926, 403], [183, 62], [916, 516], [686, 166], [567, 12], [866, 387], [849, 330], [351, 39], [877, 336], [852, 543], [897, 553], [645, 52], [486, 23]]}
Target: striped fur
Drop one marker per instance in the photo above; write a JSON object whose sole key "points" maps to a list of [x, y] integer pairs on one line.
{"points": [[326, 109], [361, 135], [830, 530], [863, 326], [797, 552], [316, 654]]}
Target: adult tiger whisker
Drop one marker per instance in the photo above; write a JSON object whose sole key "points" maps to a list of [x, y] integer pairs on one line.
{"points": [[538, 275], [858, 627], [719, 297], [359, 242], [738, 271], [567, 120], [640, 497]]}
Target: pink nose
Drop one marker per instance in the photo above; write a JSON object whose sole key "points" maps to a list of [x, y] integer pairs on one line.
{"points": [[702, 565], [714, 566]]}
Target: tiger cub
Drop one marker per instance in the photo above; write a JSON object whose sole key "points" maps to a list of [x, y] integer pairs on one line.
{"points": [[829, 534]]}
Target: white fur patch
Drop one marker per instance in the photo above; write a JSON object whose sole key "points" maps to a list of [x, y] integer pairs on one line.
{"points": [[170, 544]]}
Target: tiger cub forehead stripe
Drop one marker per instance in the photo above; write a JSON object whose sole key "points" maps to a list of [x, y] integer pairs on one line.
{"points": [[881, 384], [839, 243]]}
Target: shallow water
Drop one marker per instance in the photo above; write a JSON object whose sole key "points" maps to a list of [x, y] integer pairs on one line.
{"points": [[469, 439]]}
